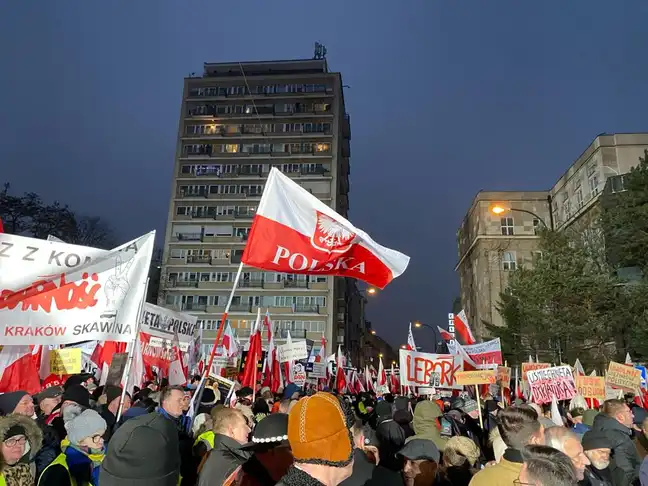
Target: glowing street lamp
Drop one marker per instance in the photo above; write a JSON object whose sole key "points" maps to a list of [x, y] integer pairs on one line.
{"points": [[371, 291], [373, 331], [499, 209]]}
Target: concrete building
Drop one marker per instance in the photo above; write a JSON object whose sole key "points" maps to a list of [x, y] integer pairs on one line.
{"points": [[490, 246], [237, 121]]}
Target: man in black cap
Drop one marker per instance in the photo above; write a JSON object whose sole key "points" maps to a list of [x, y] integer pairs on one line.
{"points": [[109, 411], [597, 446], [75, 396], [421, 462], [143, 452]]}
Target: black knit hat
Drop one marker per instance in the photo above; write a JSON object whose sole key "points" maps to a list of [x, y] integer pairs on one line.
{"points": [[112, 392], [77, 394], [77, 380], [595, 439], [269, 433], [9, 401], [144, 451]]}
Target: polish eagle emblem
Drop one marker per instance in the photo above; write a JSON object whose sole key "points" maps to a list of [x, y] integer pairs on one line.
{"points": [[330, 235]]}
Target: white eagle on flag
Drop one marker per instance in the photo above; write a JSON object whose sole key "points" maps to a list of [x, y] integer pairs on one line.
{"points": [[330, 235]]}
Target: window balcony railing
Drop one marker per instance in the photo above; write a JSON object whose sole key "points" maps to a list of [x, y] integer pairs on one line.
{"points": [[246, 307], [182, 193], [251, 284], [183, 283], [194, 306], [295, 284], [307, 308], [188, 237], [198, 259], [294, 333]]}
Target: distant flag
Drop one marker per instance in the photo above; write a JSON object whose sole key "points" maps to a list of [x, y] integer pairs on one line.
{"points": [[410, 339], [463, 328]]}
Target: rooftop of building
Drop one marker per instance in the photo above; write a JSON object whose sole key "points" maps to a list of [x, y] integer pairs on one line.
{"points": [[261, 68]]}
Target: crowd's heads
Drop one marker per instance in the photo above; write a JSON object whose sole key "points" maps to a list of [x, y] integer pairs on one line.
{"points": [[18, 402], [49, 398], [78, 394], [86, 430], [143, 451], [421, 461], [597, 447], [172, 400], [244, 396], [460, 450], [519, 426], [230, 422], [319, 431], [568, 442], [546, 466], [618, 410], [113, 397]]}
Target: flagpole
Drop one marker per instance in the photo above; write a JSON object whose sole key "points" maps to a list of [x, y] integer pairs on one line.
{"points": [[219, 334], [131, 351]]}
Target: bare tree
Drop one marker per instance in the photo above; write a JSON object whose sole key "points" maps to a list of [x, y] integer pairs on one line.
{"points": [[92, 231]]}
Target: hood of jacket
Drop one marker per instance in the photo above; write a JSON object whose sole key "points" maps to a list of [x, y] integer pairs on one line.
{"points": [[612, 427], [424, 424], [32, 432]]}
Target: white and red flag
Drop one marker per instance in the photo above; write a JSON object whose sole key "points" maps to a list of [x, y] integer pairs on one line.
{"points": [[463, 328], [445, 334], [382, 374], [411, 345], [230, 346], [295, 232], [177, 369], [18, 371], [340, 379], [368, 379]]}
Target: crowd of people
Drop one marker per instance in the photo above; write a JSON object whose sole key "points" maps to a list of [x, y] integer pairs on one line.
{"points": [[70, 435]]}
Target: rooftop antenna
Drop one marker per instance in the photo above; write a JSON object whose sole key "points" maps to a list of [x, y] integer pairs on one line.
{"points": [[320, 51]]}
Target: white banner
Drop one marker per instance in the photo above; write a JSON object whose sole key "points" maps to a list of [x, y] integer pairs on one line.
{"points": [[319, 370], [292, 352], [163, 323], [427, 369], [56, 293], [489, 352]]}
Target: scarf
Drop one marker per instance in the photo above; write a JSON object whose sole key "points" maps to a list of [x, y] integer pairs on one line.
{"points": [[84, 466], [18, 475]]}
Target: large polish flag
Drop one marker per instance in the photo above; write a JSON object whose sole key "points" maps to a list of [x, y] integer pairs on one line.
{"points": [[463, 328], [18, 371], [295, 232]]}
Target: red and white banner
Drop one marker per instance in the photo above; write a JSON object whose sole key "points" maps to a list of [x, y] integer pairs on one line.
{"points": [[18, 371], [427, 369], [489, 352], [55, 293], [295, 232]]}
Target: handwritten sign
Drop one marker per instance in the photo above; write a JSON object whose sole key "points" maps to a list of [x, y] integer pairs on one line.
{"points": [[164, 323], [547, 383], [623, 377], [318, 370], [55, 293], [292, 351], [504, 376], [591, 387], [526, 367], [66, 361], [479, 377], [299, 374], [417, 369], [489, 352]]}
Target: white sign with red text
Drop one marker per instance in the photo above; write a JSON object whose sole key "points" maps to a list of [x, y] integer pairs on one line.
{"points": [[56, 293], [489, 352], [427, 369]]}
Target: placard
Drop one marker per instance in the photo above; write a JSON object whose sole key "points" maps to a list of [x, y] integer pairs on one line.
{"points": [[591, 387], [67, 361], [116, 370], [318, 370], [547, 383], [526, 367], [416, 368], [480, 377], [624, 377], [164, 323], [504, 376], [292, 351], [489, 352], [299, 374]]}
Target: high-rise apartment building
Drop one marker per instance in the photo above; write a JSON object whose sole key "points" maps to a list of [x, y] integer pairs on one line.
{"points": [[237, 121], [490, 245]]}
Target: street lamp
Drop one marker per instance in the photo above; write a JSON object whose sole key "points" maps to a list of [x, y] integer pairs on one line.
{"points": [[373, 331], [498, 209], [371, 291], [403, 346], [380, 355]]}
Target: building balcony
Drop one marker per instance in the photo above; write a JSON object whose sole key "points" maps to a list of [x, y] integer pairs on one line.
{"points": [[307, 309], [251, 284], [184, 194], [194, 306], [184, 283], [295, 284], [187, 237], [199, 259], [246, 307], [294, 333], [244, 214]]}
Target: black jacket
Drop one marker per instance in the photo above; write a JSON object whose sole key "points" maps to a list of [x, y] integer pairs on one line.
{"points": [[50, 449], [597, 477], [365, 473], [297, 477], [624, 453], [225, 458]]}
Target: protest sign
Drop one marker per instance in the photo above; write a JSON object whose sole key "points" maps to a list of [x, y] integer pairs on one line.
{"points": [[55, 293], [292, 351], [624, 377], [164, 323], [489, 352], [591, 387], [504, 376], [526, 367], [547, 383], [299, 374], [65, 361], [318, 370], [479, 377], [416, 369], [116, 370]]}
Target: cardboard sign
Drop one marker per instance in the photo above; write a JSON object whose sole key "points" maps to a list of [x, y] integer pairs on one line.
{"points": [[292, 351], [547, 383], [591, 387], [318, 370], [164, 324], [526, 367], [116, 370], [479, 377], [65, 361], [623, 377], [504, 376], [416, 369], [299, 374]]}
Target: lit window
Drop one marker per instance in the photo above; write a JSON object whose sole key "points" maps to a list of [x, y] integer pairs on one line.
{"points": [[508, 261], [322, 147], [507, 226], [231, 148]]}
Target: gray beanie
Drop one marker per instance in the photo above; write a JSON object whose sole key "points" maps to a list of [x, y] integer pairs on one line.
{"points": [[85, 425]]}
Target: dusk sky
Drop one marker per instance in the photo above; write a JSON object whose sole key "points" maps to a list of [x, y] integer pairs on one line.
{"points": [[446, 97]]}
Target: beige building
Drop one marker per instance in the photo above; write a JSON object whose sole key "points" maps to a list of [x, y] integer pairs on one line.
{"points": [[492, 245], [237, 121]]}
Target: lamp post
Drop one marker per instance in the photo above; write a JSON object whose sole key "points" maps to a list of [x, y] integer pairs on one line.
{"points": [[498, 210], [418, 324]]}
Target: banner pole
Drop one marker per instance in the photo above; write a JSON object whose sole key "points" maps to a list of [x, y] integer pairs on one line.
{"points": [[481, 420], [131, 351]]}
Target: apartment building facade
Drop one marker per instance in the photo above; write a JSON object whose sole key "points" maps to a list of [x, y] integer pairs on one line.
{"points": [[490, 246], [237, 121]]}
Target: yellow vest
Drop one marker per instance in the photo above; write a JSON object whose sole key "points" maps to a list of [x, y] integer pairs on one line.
{"points": [[59, 461], [207, 437], [2, 480]]}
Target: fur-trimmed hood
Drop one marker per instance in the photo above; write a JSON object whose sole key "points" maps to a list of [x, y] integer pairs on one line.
{"points": [[32, 432]]}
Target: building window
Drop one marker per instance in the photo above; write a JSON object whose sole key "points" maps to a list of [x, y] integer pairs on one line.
{"points": [[578, 195], [566, 206], [536, 256], [508, 261], [536, 226], [593, 181], [507, 226]]}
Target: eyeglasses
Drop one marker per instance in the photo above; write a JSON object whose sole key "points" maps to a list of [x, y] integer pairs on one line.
{"points": [[14, 441], [97, 438]]}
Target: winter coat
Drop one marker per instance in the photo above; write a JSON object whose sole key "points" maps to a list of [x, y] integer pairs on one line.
{"points": [[425, 424], [187, 463], [297, 477], [504, 473], [365, 473], [624, 453], [49, 450], [24, 472], [223, 461], [596, 477]]}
